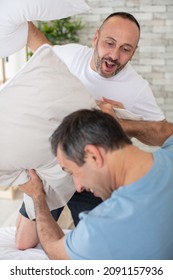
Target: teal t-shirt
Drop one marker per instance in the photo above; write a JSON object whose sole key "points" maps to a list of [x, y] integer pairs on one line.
{"points": [[136, 222]]}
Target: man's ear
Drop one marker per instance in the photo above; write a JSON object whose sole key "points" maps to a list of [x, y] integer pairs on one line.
{"points": [[94, 155], [95, 38]]}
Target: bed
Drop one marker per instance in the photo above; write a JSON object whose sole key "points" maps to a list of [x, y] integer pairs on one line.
{"points": [[8, 250]]}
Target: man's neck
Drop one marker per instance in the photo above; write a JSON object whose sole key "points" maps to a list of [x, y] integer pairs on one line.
{"points": [[130, 164]]}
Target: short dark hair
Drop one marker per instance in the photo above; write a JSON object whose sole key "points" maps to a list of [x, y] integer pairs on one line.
{"points": [[87, 127], [125, 16]]}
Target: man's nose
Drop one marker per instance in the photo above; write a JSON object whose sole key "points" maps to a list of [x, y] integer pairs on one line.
{"points": [[78, 186], [115, 54]]}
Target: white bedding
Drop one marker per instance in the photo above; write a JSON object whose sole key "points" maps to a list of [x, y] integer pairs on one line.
{"points": [[8, 250]]}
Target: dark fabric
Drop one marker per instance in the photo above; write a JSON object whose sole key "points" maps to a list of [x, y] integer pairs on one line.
{"points": [[55, 213], [79, 202]]}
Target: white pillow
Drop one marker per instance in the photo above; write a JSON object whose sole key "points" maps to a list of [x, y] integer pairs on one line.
{"points": [[14, 15], [32, 105]]}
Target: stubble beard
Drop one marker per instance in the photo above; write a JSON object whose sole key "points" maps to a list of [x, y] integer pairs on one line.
{"points": [[99, 62]]}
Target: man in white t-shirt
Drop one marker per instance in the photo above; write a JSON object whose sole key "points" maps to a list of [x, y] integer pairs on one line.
{"points": [[106, 72]]}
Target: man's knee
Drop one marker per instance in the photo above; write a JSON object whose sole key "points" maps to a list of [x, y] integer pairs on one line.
{"points": [[26, 233]]}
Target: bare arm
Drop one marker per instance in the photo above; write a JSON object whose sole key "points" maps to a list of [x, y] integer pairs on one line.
{"points": [[50, 234], [152, 133], [35, 37]]}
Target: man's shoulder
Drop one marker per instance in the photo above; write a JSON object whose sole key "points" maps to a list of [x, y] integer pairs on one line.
{"points": [[73, 54], [168, 147], [71, 47], [130, 76], [131, 70], [168, 143]]}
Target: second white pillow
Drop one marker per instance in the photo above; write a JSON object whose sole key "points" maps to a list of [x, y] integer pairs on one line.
{"points": [[15, 14]]}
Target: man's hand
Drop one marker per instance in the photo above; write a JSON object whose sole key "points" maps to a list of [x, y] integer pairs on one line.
{"points": [[115, 104], [152, 133], [107, 106], [34, 187], [49, 233]]}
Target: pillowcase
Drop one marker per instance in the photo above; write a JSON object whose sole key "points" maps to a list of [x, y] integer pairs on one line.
{"points": [[15, 14], [32, 105]]}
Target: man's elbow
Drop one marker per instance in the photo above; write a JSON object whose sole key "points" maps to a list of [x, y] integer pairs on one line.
{"points": [[23, 241]]}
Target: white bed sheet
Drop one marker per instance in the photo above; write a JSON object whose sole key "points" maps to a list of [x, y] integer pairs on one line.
{"points": [[8, 250]]}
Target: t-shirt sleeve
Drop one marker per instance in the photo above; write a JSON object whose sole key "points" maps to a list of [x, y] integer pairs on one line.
{"points": [[146, 105], [67, 53], [168, 145], [83, 243]]}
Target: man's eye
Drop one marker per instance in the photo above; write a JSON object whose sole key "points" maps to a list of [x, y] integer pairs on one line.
{"points": [[126, 50], [109, 44]]}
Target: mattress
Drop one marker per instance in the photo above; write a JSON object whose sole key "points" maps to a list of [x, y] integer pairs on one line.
{"points": [[8, 250]]}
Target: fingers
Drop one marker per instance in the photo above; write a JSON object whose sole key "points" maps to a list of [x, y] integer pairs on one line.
{"points": [[34, 187], [33, 177], [109, 102], [99, 102], [32, 173], [116, 104], [22, 187], [103, 104]]}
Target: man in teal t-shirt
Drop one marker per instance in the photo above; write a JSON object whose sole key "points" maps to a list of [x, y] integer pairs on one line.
{"points": [[134, 221]]}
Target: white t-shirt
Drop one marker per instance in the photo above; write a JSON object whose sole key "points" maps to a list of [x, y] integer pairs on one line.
{"points": [[127, 86]]}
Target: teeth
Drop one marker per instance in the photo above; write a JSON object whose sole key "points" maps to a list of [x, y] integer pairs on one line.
{"points": [[110, 63], [91, 190]]}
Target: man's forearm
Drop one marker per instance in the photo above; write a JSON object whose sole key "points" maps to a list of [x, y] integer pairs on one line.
{"points": [[152, 133], [48, 230], [35, 37]]}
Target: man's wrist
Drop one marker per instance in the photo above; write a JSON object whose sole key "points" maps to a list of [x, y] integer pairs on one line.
{"points": [[39, 198]]}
